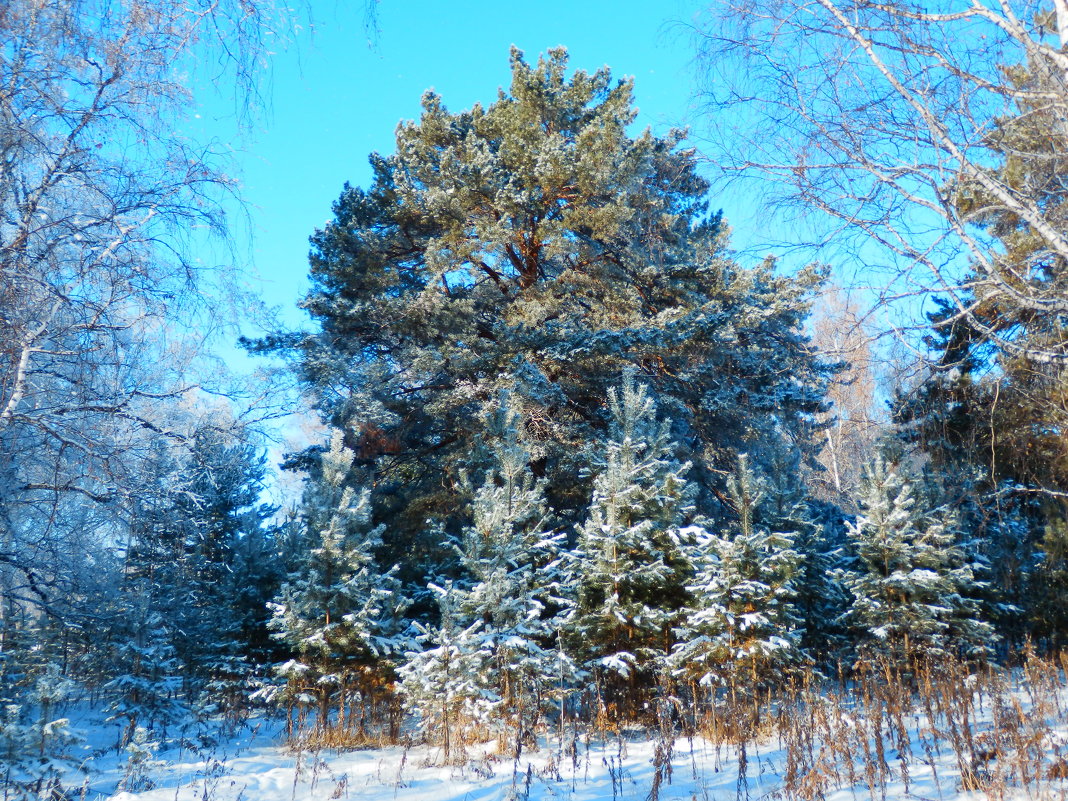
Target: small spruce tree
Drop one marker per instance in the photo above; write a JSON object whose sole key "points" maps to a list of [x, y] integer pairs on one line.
{"points": [[1050, 586], [144, 689], [631, 569], [744, 631], [35, 754], [913, 587], [816, 529]]}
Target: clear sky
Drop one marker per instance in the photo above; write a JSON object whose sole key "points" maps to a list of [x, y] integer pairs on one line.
{"points": [[335, 98]]}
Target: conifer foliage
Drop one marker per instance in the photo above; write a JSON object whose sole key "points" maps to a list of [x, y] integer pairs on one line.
{"points": [[567, 476], [339, 612], [533, 245], [36, 747], [631, 568], [913, 587], [494, 651], [448, 684], [744, 631], [511, 555], [144, 691]]}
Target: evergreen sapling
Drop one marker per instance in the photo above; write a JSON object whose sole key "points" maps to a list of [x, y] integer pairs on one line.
{"points": [[913, 587], [630, 573], [339, 612], [743, 631]]}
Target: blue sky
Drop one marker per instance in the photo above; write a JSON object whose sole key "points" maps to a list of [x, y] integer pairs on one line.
{"points": [[334, 98]]}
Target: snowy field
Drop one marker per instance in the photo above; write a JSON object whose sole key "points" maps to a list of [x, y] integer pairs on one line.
{"points": [[1012, 745]]}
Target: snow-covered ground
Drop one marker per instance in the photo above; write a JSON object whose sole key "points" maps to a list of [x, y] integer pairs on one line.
{"points": [[604, 770], [600, 770], [1015, 746]]}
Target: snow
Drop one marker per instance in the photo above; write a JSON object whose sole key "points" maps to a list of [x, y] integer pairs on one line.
{"points": [[269, 773], [253, 765]]}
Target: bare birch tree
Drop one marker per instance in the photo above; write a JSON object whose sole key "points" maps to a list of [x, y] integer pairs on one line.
{"points": [[883, 117], [842, 334], [103, 202]]}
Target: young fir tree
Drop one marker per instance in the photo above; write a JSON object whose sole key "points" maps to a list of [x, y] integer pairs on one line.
{"points": [[983, 447], [450, 683], [36, 747], [532, 244], [630, 571], [197, 524], [339, 612], [146, 681], [225, 523], [743, 631], [914, 590], [141, 763], [510, 557], [1002, 523], [991, 534], [817, 529]]}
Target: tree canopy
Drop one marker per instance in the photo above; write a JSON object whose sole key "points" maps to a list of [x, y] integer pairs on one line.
{"points": [[535, 245]]}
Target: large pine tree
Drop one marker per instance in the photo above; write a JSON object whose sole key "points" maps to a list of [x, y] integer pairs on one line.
{"points": [[534, 244]]}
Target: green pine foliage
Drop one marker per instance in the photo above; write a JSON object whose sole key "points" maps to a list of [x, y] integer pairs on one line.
{"points": [[226, 574], [38, 748], [817, 530], [631, 568], [494, 652], [534, 245], [743, 632], [510, 555], [339, 612], [1005, 527], [450, 684], [991, 415], [540, 361], [914, 589], [145, 690], [200, 557]]}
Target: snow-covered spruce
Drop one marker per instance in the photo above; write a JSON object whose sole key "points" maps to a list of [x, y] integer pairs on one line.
{"points": [[630, 572], [340, 613], [36, 747], [914, 589]]}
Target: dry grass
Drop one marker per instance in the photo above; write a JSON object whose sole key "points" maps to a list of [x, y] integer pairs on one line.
{"points": [[960, 727], [995, 727]]}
